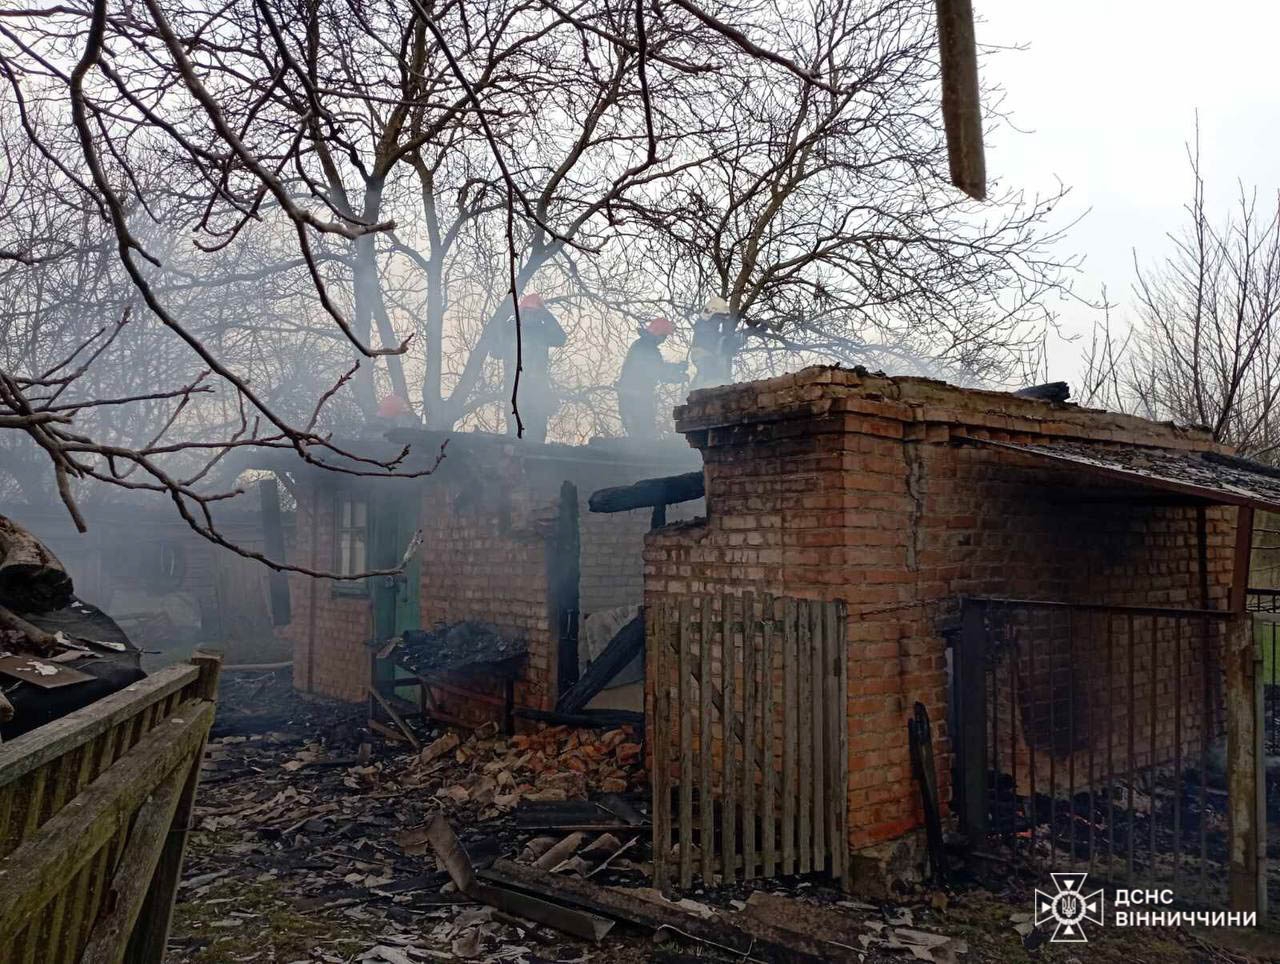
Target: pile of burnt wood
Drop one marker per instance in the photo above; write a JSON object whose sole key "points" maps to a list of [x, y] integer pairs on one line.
{"points": [[57, 652]]}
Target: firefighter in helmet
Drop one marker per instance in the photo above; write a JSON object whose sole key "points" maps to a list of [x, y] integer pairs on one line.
{"points": [[643, 370], [539, 333], [713, 342]]}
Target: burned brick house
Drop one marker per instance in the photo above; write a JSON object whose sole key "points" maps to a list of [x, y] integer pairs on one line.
{"points": [[1061, 591], [1059, 587], [507, 544]]}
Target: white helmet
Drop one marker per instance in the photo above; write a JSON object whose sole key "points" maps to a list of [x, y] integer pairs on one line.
{"points": [[715, 306]]}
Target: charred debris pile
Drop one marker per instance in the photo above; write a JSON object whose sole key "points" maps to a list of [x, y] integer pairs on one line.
{"points": [[479, 845], [57, 652]]}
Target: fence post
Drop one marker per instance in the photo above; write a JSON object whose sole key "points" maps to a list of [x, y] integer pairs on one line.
{"points": [[151, 933], [1247, 884], [971, 699]]}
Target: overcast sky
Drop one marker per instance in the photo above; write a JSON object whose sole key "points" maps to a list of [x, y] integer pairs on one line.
{"points": [[1107, 93]]}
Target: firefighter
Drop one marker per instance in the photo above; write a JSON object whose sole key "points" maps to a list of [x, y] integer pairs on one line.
{"points": [[394, 410], [539, 333], [643, 370], [711, 350]]}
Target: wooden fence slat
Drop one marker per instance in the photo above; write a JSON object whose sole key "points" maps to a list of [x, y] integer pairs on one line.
{"points": [[778, 684], [33, 749], [656, 629], [45, 861], [750, 648], [842, 731], [706, 806], [54, 916], [789, 722], [821, 804], [97, 867], [130, 883], [686, 746], [834, 717], [728, 744], [804, 666], [34, 804], [79, 891], [7, 795], [768, 731]]}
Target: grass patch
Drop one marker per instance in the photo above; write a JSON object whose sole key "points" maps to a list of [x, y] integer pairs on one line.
{"points": [[270, 928]]}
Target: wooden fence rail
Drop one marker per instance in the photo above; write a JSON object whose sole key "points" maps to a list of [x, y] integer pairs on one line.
{"points": [[93, 815], [748, 710]]}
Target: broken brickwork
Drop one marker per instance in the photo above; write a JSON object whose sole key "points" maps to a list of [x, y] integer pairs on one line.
{"points": [[490, 517], [829, 484]]}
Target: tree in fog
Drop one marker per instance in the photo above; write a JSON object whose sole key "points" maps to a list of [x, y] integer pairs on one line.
{"points": [[825, 219], [1203, 348], [243, 222]]}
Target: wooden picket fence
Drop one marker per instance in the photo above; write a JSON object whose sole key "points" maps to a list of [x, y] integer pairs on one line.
{"points": [[94, 809], [749, 736]]}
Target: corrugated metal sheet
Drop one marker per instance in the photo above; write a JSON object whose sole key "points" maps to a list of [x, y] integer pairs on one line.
{"points": [[1219, 479]]}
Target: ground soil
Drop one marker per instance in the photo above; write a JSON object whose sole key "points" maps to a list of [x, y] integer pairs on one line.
{"points": [[304, 849]]}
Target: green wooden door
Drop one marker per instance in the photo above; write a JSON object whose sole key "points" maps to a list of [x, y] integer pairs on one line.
{"points": [[393, 523], [395, 598]]}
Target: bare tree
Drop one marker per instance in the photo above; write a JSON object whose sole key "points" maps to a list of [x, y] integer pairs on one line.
{"points": [[1204, 347], [213, 193]]}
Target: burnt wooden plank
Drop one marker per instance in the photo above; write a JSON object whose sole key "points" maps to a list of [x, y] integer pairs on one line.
{"points": [[686, 745], [804, 679], [790, 712], [728, 751], [835, 717], [659, 718], [818, 735], [750, 710], [972, 720], [842, 731], [768, 735], [706, 808], [668, 490], [273, 542], [961, 97], [620, 651]]}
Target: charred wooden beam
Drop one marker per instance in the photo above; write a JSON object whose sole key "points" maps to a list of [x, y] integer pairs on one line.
{"points": [[961, 99], [648, 493], [754, 938], [31, 577], [273, 540], [1048, 392], [620, 651], [570, 920], [588, 719]]}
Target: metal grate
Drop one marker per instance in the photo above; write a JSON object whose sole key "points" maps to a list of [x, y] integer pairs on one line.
{"points": [[1092, 737]]}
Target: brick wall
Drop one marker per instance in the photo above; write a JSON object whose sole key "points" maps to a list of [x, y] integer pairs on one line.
{"points": [[830, 485], [329, 631], [485, 559], [489, 518], [612, 558]]}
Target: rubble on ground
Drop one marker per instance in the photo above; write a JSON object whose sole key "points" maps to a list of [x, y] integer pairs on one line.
{"points": [[313, 843]]}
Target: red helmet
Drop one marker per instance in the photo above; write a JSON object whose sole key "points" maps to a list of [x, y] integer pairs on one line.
{"points": [[393, 406], [531, 302], [661, 327]]}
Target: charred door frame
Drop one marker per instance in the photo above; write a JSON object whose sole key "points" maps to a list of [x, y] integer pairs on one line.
{"points": [[564, 565]]}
